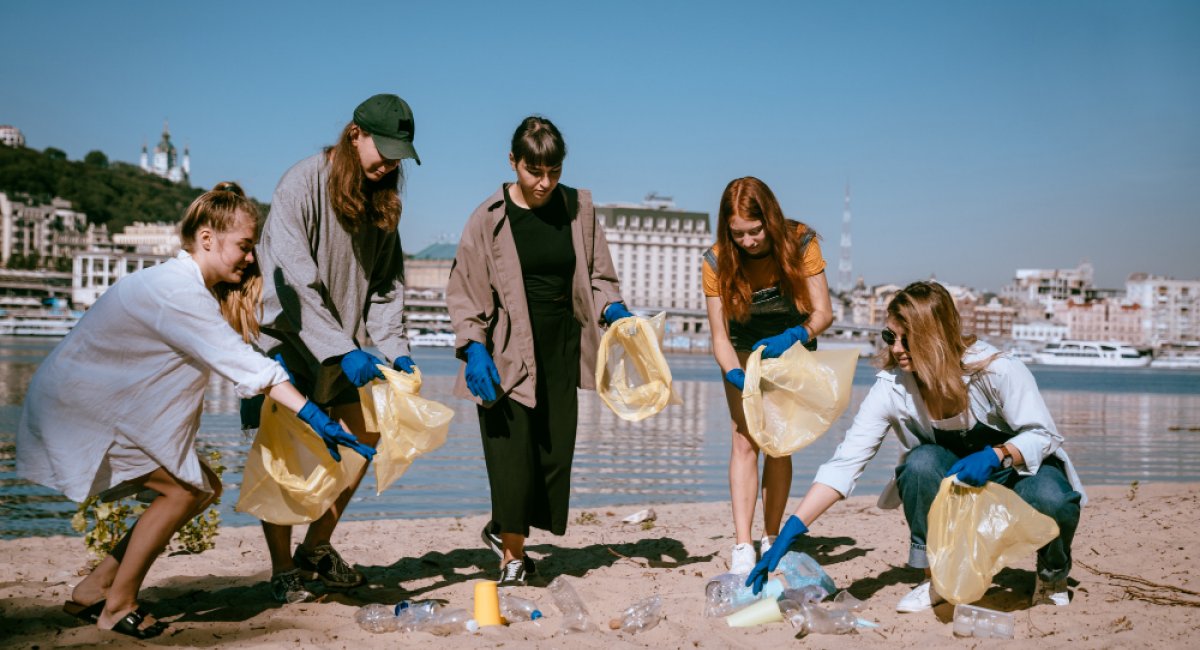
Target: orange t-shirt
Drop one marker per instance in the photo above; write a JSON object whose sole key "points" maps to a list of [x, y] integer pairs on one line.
{"points": [[763, 272]]}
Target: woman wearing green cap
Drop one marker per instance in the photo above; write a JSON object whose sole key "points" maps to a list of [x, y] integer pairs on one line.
{"points": [[334, 273], [530, 281]]}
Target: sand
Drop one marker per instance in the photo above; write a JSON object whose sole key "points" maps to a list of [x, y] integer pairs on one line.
{"points": [[1135, 583]]}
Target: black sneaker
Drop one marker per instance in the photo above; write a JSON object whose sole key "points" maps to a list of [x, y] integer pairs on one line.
{"points": [[288, 588], [512, 574], [492, 540], [324, 562]]}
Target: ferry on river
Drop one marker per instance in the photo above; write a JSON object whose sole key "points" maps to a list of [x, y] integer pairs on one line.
{"points": [[1104, 354]]}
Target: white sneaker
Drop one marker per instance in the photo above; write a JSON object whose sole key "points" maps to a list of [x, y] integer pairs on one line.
{"points": [[743, 559], [1050, 593], [919, 599], [765, 544]]}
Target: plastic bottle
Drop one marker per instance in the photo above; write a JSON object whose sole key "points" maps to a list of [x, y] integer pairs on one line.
{"points": [[445, 622], [807, 594], [727, 593], [411, 615], [982, 623], [642, 615], [514, 608], [800, 570], [377, 618], [575, 615], [811, 618]]}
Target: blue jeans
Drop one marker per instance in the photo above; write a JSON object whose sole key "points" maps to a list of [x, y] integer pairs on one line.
{"points": [[1048, 491]]}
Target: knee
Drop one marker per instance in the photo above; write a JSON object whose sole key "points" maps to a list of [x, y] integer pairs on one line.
{"points": [[1050, 499], [925, 462]]}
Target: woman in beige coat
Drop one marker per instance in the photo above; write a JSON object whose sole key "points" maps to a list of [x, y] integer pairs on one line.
{"points": [[530, 281]]}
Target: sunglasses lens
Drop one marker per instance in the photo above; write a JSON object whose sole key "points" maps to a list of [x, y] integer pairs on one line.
{"points": [[888, 337]]}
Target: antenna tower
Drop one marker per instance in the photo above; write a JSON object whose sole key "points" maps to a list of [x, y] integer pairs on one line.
{"points": [[845, 267]]}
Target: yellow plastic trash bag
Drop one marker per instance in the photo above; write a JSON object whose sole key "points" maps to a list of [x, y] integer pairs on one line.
{"points": [[632, 376], [792, 400], [289, 477], [408, 424], [975, 532]]}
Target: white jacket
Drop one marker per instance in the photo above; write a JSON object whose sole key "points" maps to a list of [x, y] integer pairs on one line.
{"points": [[130, 378], [1004, 396]]}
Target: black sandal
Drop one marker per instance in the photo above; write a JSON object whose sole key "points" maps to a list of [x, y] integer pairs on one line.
{"points": [[131, 625], [87, 613]]}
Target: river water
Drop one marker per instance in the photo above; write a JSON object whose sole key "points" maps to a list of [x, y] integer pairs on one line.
{"points": [[1120, 425]]}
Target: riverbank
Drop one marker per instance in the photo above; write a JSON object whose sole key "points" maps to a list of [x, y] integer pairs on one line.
{"points": [[1134, 547]]}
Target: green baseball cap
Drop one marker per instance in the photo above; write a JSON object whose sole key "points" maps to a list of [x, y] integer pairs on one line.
{"points": [[389, 120]]}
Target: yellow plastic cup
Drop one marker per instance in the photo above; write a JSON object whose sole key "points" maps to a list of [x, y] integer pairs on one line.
{"points": [[762, 611], [487, 604]]}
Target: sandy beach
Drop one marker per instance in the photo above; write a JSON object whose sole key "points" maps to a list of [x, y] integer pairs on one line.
{"points": [[1134, 584]]}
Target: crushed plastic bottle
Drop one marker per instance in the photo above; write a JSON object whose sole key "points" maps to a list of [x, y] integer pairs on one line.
{"points": [[410, 615], [377, 618], [808, 616], [800, 570], [982, 623], [727, 593], [444, 622], [642, 615], [575, 614], [514, 608], [806, 594]]}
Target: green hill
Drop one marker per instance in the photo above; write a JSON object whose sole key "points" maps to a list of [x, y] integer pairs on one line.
{"points": [[116, 194]]}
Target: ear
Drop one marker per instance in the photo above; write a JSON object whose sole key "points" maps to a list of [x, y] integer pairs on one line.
{"points": [[512, 161], [205, 238]]}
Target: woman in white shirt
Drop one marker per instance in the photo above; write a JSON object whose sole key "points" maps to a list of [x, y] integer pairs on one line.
{"points": [[959, 407], [115, 407]]}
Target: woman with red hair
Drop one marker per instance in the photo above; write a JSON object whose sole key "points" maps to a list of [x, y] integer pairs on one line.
{"points": [[764, 283]]}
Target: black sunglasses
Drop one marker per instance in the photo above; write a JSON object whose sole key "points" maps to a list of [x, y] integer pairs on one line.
{"points": [[889, 337]]}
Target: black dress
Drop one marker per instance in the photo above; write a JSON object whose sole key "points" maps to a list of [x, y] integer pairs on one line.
{"points": [[529, 451]]}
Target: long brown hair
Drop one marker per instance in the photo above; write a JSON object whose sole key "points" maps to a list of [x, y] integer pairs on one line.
{"points": [[222, 209], [750, 198], [356, 199], [936, 343]]}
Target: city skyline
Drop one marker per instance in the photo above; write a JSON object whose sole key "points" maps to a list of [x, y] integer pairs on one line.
{"points": [[977, 138]]}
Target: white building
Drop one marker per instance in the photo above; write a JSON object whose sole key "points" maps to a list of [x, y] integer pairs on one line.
{"points": [[33, 235], [1169, 308], [11, 136], [1045, 331], [149, 238], [92, 273], [658, 252], [166, 162]]}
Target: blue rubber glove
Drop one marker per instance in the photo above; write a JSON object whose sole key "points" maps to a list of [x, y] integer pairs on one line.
{"points": [[977, 468], [615, 312], [405, 364], [481, 374], [279, 359], [332, 433], [359, 367], [793, 529], [778, 344], [737, 377]]}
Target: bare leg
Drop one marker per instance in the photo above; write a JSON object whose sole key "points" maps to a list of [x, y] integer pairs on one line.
{"points": [[176, 502], [776, 484], [94, 587], [743, 468], [514, 547]]}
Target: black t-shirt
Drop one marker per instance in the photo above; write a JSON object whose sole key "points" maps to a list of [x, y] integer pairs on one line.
{"points": [[543, 239]]}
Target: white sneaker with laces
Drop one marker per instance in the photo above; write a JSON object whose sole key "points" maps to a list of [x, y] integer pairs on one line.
{"points": [[1052, 593], [920, 599], [742, 559], [765, 544]]}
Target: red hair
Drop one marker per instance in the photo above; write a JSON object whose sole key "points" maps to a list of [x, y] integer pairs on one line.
{"points": [[751, 199]]}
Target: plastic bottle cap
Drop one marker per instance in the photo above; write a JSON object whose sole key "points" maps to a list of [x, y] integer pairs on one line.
{"points": [[472, 626], [537, 613]]}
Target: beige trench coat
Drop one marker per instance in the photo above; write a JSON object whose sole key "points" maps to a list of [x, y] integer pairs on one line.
{"points": [[486, 295]]}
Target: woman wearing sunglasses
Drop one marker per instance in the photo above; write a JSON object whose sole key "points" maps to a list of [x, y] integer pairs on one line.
{"points": [[959, 407], [764, 283]]}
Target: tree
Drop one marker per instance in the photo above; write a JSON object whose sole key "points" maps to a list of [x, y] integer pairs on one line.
{"points": [[55, 154], [96, 158]]}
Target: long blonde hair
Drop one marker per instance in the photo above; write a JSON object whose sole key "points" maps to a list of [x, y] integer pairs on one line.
{"points": [[356, 199], [222, 208], [936, 343]]}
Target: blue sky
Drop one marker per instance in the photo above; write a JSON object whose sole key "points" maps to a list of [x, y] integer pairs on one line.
{"points": [[977, 137]]}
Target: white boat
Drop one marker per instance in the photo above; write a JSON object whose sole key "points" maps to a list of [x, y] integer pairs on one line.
{"points": [[1104, 354], [1177, 361], [432, 340]]}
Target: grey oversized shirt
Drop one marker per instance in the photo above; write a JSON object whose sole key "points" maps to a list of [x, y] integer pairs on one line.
{"points": [[325, 287]]}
